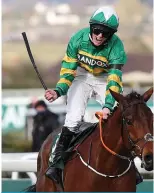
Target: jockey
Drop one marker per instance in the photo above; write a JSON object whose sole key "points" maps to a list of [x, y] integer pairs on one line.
{"points": [[92, 65]]}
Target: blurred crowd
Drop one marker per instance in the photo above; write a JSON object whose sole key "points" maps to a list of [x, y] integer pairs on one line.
{"points": [[44, 122]]}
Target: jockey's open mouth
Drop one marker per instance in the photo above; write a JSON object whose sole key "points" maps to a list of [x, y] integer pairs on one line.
{"points": [[98, 39]]}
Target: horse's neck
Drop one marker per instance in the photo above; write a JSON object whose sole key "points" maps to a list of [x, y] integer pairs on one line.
{"points": [[112, 130], [112, 135]]}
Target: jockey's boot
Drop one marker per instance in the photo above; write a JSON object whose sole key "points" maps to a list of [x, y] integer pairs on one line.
{"points": [[62, 144]]}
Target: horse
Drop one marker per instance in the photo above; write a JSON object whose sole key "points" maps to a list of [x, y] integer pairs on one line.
{"points": [[113, 145]]}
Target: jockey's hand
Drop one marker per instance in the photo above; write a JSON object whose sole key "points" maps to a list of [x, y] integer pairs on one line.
{"points": [[50, 95], [105, 112]]}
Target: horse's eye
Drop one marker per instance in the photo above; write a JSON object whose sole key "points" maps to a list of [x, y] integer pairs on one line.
{"points": [[128, 122]]}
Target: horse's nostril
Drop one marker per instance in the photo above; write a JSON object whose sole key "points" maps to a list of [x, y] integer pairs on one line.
{"points": [[148, 158]]}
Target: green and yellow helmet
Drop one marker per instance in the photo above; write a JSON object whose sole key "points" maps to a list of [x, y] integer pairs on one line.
{"points": [[105, 16]]}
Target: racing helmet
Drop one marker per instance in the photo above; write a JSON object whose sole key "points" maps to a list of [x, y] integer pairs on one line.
{"points": [[105, 17]]}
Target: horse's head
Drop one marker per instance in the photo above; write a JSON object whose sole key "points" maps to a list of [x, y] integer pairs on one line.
{"points": [[137, 125]]}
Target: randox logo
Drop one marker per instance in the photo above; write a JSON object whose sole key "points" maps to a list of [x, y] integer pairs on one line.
{"points": [[91, 61]]}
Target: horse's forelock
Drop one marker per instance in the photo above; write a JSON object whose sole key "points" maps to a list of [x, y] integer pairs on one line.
{"points": [[133, 95], [128, 99]]}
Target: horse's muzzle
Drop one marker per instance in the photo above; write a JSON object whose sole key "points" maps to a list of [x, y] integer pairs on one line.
{"points": [[148, 162]]}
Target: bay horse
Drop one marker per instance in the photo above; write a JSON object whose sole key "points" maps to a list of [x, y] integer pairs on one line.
{"points": [[127, 133]]}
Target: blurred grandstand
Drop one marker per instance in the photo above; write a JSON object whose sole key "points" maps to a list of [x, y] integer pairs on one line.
{"points": [[49, 25]]}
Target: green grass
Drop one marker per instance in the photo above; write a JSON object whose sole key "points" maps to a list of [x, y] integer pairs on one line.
{"points": [[15, 142]]}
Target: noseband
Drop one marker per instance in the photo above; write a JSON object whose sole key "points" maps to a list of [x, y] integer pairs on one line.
{"points": [[134, 144]]}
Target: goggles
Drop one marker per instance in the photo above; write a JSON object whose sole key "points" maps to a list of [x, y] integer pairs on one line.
{"points": [[98, 31]]}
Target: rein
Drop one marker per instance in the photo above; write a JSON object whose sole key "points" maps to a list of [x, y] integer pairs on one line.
{"points": [[147, 137], [100, 117]]}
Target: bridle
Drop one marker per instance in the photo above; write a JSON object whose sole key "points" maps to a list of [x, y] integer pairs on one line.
{"points": [[134, 144]]}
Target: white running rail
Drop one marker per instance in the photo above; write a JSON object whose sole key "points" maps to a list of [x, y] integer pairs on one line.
{"points": [[27, 162]]}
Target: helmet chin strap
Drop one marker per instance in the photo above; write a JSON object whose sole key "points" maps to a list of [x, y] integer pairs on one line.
{"points": [[90, 37]]}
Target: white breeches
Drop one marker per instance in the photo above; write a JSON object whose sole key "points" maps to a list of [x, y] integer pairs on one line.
{"points": [[77, 98]]}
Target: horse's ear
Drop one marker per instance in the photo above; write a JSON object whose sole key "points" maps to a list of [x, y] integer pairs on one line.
{"points": [[147, 94], [118, 97]]}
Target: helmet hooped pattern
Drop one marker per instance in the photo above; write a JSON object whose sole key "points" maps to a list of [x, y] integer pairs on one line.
{"points": [[106, 16]]}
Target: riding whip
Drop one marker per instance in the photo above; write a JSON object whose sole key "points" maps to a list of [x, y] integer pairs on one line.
{"points": [[32, 60]]}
